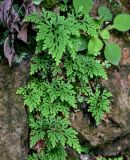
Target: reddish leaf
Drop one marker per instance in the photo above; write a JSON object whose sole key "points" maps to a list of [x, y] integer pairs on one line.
{"points": [[39, 145]]}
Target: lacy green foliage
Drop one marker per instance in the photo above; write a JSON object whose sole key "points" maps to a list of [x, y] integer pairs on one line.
{"points": [[52, 26], [52, 94], [61, 81], [99, 103], [54, 131], [54, 154], [84, 68], [64, 33], [37, 92], [50, 100]]}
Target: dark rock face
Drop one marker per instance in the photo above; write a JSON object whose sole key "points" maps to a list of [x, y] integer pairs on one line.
{"points": [[13, 117]]}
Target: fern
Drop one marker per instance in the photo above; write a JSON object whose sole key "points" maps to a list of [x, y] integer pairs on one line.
{"points": [[84, 68], [53, 131], [99, 103], [52, 26], [64, 33], [32, 94], [57, 153], [55, 93], [60, 81], [89, 26], [64, 91], [39, 64]]}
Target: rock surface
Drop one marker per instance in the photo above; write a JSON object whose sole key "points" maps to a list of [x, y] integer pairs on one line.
{"points": [[112, 136], [13, 118]]}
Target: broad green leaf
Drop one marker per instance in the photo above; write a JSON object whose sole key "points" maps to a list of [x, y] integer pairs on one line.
{"points": [[104, 12], [83, 43], [105, 34], [86, 5], [122, 22], [94, 45], [37, 2], [113, 53]]}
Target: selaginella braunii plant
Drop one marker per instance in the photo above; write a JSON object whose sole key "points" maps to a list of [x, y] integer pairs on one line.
{"points": [[66, 71]]}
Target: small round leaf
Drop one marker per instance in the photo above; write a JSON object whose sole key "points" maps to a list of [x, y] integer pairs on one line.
{"points": [[122, 22], [113, 53], [83, 43], [104, 12], [86, 5], [94, 45], [105, 34]]}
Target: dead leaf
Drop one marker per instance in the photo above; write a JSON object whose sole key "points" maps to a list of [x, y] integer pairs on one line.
{"points": [[13, 21], [39, 145], [29, 8], [22, 35], [8, 51], [5, 10]]}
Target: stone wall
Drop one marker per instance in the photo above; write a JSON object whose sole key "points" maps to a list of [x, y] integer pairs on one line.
{"points": [[13, 117]]}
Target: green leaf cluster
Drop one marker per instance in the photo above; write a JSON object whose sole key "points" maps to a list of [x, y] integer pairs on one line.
{"points": [[55, 90], [99, 41], [64, 74], [99, 103], [112, 52], [52, 25]]}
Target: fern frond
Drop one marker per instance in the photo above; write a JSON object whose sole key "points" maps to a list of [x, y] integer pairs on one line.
{"points": [[99, 104]]}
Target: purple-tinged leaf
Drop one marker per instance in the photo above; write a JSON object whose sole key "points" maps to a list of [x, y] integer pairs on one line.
{"points": [[8, 50]]}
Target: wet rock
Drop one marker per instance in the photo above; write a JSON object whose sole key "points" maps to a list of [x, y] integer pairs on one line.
{"points": [[13, 117]]}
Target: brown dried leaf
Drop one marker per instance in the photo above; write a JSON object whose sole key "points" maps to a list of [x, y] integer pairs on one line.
{"points": [[8, 51], [13, 20], [5, 10], [39, 145], [22, 35], [29, 8]]}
